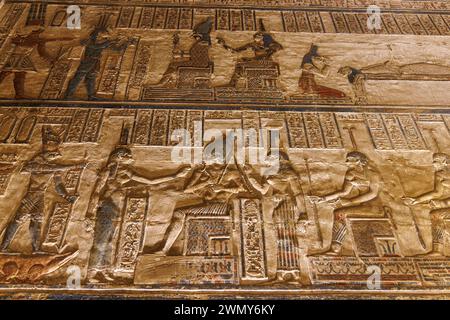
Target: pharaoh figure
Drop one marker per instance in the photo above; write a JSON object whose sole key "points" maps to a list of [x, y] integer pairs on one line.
{"points": [[44, 171], [357, 80], [359, 197], [20, 60], [439, 200], [263, 47], [104, 207], [98, 41], [314, 64], [198, 56]]}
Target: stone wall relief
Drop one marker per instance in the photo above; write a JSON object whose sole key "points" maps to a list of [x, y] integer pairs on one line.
{"points": [[123, 63], [253, 77], [44, 171], [189, 74]]}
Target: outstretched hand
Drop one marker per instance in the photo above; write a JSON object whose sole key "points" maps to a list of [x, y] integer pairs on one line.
{"points": [[71, 198], [221, 41], [183, 172], [409, 201], [316, 199]]}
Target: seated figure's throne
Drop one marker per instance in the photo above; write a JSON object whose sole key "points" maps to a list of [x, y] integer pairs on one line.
{"points": [[191, 77], [188, 76], [260, 75], [368, 229], [256, 79]]}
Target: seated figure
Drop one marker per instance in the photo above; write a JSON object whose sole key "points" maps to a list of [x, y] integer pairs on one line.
{"points": [[314, 65], [357, 80], [259, 71], [438, 200], [359, 197], [192, 70]]}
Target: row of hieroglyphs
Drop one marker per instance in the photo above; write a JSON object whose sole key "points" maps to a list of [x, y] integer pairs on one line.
{"points": [[116, 61], [366, 184], [359, 4], [303, 130]]}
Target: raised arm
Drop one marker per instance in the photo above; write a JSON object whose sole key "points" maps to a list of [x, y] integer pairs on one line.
{"points": [[261, 188], [118, 44], [141, 179], [374, 190], [345, 191], [437, 193], [49, 167], [238, 49]]}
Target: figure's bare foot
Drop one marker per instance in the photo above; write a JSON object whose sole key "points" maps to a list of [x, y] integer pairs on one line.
{"points": [[93, 277], [437, 254], [437, 251], [335, 249], [159, 253], [108, 277]]}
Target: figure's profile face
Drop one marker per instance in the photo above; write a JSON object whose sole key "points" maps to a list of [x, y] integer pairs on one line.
{"points": [[344, 71], [102, 36], [318, 61], [125, 159], [353, 162], [259, 39], [51, 155], [439, 163]]}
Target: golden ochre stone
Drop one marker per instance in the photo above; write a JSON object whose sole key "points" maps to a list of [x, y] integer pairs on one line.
{"points": [[251, 150]]}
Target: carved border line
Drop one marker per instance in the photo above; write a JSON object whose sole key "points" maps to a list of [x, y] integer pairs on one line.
{"points": [[92, 293], [430, 5], [322, 20], [241, 106]]}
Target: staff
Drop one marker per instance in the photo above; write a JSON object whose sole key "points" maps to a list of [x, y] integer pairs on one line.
{"points": [[413, 216], [316, 214]]}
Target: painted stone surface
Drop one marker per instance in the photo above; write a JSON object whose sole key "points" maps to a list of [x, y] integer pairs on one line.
{"points": [[235, 147]]}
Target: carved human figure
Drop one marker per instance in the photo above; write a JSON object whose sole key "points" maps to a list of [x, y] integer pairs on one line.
{"points": [[314, 65], [20, 61], [285, 191], [439, 200], [98, 41], [358, 197], [357, 80], [104, 207], [44, 171], [263, 47], [198, 56], [207, 182]]}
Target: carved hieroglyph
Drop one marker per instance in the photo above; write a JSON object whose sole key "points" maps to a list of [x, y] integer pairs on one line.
{"points": [[90, 121]]}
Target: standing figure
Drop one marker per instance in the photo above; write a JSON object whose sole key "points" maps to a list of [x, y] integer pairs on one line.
{"points": [[89, 67], [439, 199], [43, 172], [105, 208], [357, 80], [285, 191], [359, 197], [314, 64], [20, 63]]}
